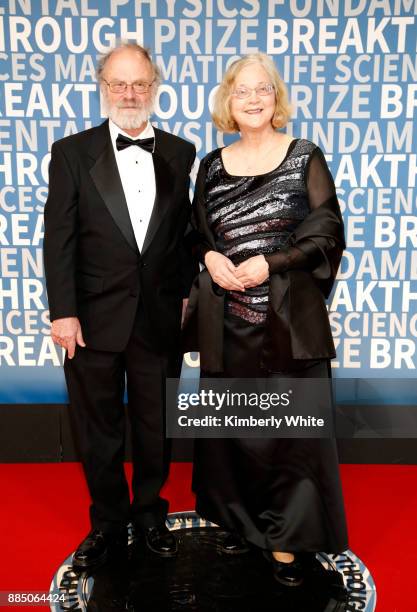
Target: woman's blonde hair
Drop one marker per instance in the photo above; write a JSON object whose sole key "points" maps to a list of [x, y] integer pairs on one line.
{"points": [[222, 116]]}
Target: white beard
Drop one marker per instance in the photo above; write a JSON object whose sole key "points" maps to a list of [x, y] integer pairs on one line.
{"points": [[128, 120]]}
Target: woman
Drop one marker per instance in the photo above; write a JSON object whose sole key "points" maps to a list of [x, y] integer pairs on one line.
{"points": [[271, 238]]}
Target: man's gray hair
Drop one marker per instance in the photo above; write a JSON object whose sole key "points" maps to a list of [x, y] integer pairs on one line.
{"points": [[126, 44]]}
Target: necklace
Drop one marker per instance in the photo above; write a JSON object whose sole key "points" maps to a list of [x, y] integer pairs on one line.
{"points": [[257, 161]]}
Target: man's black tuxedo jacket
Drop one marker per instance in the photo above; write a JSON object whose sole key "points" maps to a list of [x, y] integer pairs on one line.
{"points": [[93, 267]]}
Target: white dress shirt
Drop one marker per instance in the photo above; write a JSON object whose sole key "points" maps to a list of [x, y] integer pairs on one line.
{"points": [[138, 180]]}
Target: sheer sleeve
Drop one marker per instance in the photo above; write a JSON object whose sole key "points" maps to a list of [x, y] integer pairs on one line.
{"points": [[306, 253], [318, 179], [200, 231]]}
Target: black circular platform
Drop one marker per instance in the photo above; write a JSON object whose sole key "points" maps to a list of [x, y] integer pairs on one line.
{"points": [[202, 579]]}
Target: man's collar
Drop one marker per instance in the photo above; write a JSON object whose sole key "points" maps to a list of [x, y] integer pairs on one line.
{"points": [[148, 132]]}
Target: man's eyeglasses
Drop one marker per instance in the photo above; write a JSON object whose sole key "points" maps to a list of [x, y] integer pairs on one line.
{"points": [[244, 92], [120, 86]]}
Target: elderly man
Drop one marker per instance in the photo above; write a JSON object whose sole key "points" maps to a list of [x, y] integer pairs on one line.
{"points": [[117, 272]]}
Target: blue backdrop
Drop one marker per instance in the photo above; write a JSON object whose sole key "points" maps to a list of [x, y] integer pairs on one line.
{"points": [[351, 69]]}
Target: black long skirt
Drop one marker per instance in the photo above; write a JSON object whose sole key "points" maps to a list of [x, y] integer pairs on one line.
{"points": [[279, 493]]}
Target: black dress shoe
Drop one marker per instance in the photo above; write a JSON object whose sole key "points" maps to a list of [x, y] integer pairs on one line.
{"points": [[289, 574], [160, 540], [95, 548], [233, 544]]}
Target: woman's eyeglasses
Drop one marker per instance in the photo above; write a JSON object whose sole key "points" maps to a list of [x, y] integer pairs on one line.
{"points": [[244, 92]]}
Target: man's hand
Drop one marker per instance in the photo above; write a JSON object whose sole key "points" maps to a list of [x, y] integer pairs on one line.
{"points": [[67, 333], [223, 271], [253, 272]]}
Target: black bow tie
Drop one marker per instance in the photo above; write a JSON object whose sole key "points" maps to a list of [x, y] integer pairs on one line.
{"points": [[122, 142]]}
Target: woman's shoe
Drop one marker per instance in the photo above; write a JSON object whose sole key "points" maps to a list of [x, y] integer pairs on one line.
{"points": [[233, 544], [289, 574]]}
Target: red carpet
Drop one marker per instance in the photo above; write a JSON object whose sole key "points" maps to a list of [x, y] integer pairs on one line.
{"points": [[44, 515]]}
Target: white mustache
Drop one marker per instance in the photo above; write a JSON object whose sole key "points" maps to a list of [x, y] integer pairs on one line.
{"points": [[129, 105]]}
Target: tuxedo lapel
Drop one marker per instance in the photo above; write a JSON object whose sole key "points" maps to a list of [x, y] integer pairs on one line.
{"points": [[105, 175], [164, 193]]}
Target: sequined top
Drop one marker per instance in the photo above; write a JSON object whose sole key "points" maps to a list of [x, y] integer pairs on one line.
{"points": [[253, 215]]}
